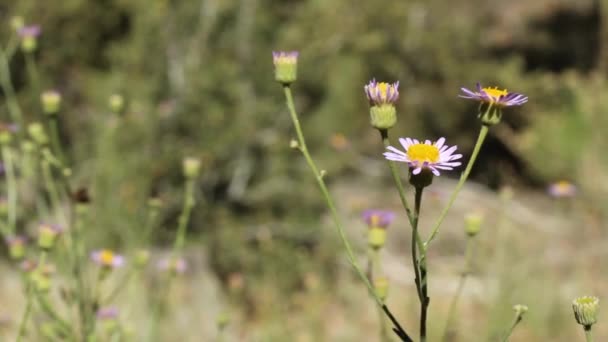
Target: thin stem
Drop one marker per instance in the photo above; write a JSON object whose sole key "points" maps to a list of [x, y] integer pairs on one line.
{"points": [[26, 313], [55, 141], [419, 267], [32, 70], [461, 282], [516, 321], [463, 178], [374, 270], [334, 213], [51, 187], [184, 218], [9, 91], [7, 159], [588, 334]]}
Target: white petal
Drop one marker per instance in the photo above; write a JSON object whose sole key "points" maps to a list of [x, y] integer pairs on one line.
{"points": [[439, 143], [416, 171], [404, 143], [396, 150]]}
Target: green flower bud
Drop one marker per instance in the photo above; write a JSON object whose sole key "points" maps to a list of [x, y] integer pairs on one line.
{"points": [[16, 247], [41, 280], [51, 101], [383, 117], [142, 257], [376, 237], [222, 320], [285, 66], [47, 235], [520, 309], [472, 224], [585, 310], [116, 103], [489, 114], [191, 167], [37, 133]]}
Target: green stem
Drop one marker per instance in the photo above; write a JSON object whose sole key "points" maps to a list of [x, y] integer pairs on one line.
{"points": [[26, 313], [334, 212], [184, 217], [32, 71], [375, 269], [7, 158], [461, 282], [51, 187], [419, 267], [9, 91], [55, 141], [463, 178], [588, 334], [516, 321]]}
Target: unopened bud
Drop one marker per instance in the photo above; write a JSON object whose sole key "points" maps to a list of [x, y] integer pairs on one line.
{"points": [[47, 235], [191, 167], [294, 144], [37, 133], [116, 103], [472, 224], [51, 102], [381, 287], [376, 237], [585, 310], [285, 66]]}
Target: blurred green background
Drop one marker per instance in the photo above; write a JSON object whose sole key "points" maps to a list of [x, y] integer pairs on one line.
{"points": [[198, 80]]}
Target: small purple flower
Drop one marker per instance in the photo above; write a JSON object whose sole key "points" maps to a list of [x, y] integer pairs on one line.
{"points": [[177, 265], [281, 57], [381, 93], [562, 189], [107, 313], [425, 155], [107, 258], [31, 31], [494, 96], [376, 218]]}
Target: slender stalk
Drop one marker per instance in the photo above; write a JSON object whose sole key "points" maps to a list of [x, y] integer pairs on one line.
{"points": [[334, 213], [32, 71], [419, 267], [55, 141], [375, 269], [516, 321], [184, 217], [26, 312], [51, 188], [588, 335], [463, 178], [461, 282], [7, 159], [9, 91]]}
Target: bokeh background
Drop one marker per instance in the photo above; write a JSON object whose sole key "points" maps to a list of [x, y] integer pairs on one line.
{"points": [[198, 80]]}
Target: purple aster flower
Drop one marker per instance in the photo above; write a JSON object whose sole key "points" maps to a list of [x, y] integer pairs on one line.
{"points": [[425, 155], [107, 258], [177, 265], [107, 313], [381, 93], [562, 189], [280, 57], [29, 31], [376, 218], [494, 96]]}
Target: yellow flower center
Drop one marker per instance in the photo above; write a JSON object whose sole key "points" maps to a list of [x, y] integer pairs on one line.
{"points": [[374, 220], [495, 93], [383, 88], [106, 257], [423, 153]]}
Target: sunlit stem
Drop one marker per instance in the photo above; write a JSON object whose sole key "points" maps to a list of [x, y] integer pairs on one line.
{"points": [[516, 320], [334, 213], [7, 159], [459, 289], [463, 178]]}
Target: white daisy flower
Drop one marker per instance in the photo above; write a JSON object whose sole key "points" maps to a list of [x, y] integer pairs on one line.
{"points": [[425, 155]]}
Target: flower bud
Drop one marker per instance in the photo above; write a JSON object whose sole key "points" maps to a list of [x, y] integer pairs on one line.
{"points": [[585, 310], [41, 280], [6, 133], [116, 103], [472, 224], [16, 247], [37, 133], [51, 101], [222, 320], [191, 167], [520, 309], [382, 98], [376, 237], [29, 38], [381, 287], [47, 235], [285, 66]]}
